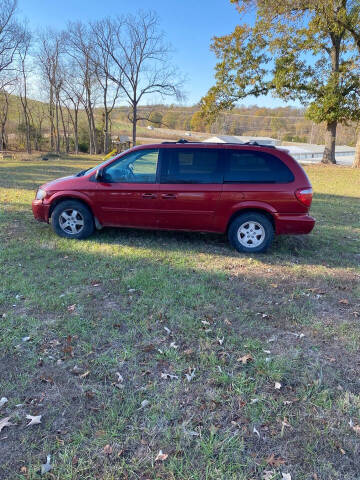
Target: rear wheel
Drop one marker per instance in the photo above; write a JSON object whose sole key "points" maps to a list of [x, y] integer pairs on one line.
{"points": [[251, 233], [72, 219]]}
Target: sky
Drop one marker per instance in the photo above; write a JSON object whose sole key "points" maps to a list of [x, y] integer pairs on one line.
{"points": [[189, 26]]}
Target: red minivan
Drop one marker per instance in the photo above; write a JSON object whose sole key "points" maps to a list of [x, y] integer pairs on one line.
{"points": [[247, 191]]}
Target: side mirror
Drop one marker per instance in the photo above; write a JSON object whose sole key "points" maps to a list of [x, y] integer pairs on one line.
{"points": [[99, 175]]}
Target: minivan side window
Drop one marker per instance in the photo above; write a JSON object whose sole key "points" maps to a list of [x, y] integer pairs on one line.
{"points": [[255, 167], [137, 167], [188, 165]]}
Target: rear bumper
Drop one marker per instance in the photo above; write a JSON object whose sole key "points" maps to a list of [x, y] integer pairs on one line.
{"points": [[293, 224], [40, 211]]}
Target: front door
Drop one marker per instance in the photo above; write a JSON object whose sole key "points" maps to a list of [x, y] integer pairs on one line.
{"points": [[127, 194], [190, 188]]}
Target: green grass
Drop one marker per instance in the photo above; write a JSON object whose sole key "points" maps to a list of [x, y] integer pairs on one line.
{"points": [[127, 286]]}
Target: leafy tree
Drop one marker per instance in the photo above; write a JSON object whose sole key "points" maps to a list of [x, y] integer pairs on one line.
{"points": [[155, 118], [197, 122], [296, 50]]}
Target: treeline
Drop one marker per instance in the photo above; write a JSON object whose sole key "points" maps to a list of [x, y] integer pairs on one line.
{"points": [[74, 71], [288, 124]]}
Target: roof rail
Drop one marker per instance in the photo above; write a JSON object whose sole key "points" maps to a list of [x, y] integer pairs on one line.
{"points": [[181, 140], [250, 143], [253, 143]]}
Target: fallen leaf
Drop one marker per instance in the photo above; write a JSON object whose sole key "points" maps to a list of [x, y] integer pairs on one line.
{"points": [[245, 359], [148, 348], [71, 308], [85, 374], [188, 352], [108, 449], [190, 375], [274, 461], [160, 457], [3, 400], [33, 420], [169, 376], [5, 423], [46, 379], [46, 467], [76, 370], [23, 470], [268, 475], [344, 301], [144, 403], [356, 428], [68, 348]]}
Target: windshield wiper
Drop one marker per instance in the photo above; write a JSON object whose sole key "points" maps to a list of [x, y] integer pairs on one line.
{"points": [[82, 173]]}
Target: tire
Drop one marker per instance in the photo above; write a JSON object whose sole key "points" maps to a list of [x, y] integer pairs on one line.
{"points": [[72, 219], [251, 232]]}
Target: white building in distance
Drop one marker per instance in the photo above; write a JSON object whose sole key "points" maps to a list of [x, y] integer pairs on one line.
{"points": [[302, 152]]}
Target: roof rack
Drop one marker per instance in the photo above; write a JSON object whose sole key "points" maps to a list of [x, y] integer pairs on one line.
{"points": [[250, 144], [181, 140], [253, 143]]}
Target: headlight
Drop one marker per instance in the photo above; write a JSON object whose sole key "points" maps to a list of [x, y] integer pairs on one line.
{"points": [[40, 194]]}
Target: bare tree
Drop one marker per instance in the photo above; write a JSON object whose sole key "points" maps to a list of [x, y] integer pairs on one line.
{"points": [[139, 57], [72, 95], [12, 36], [38, 114], [110, 94], [80, 47], [48, 55], [23, 88], [4, 111]]}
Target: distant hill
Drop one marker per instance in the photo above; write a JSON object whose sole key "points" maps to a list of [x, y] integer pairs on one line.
{"points": [[286, 123]]}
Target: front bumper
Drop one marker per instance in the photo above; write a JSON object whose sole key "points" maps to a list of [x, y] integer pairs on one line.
{"points": [[293, 224], [41, 211]]}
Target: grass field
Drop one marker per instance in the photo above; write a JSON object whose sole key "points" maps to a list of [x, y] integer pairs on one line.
{"points": [[234, 366]]}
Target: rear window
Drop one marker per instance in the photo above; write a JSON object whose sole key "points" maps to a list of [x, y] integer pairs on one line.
{"points": [[255, 167], [191, 166]]}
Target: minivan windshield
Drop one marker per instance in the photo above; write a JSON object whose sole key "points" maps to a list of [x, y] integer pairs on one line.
{"points": [[93, 169]]}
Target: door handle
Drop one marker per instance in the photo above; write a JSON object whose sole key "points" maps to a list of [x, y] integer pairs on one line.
{"points": [[169, 196], [149, 195]]}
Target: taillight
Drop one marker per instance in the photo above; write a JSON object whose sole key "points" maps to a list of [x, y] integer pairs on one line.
{"points": [[304, 195]]}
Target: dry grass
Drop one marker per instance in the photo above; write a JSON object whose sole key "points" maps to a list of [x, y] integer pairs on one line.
{"points": [[293, 312]]}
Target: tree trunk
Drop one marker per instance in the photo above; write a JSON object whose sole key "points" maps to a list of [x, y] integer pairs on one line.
{"points": [[66, 131], [134, 122], [76, 132], [106, 133], [356, 163], [51, 114], [330, 138], [57, 127]]}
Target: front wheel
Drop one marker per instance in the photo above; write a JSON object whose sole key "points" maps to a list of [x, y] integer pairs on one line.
{"points": [[72, 219], [251, 233]]}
